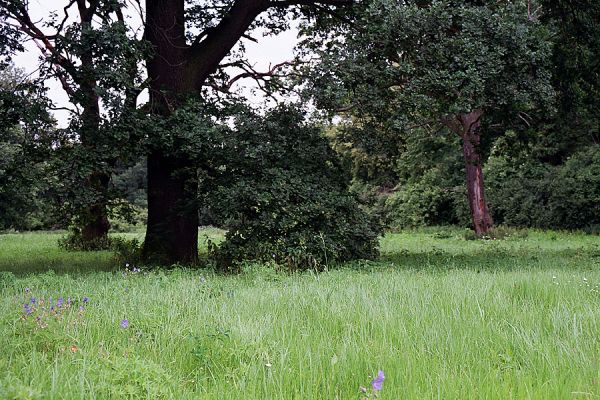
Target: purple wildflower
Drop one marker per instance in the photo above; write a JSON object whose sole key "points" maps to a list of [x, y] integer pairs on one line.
{"points": [[51, 308], [32, 300], [69, 300], [81, 308], [85, 299], [136, 270], [378, 381], [27, 309], [27, 290], [60, 302], [125, 324]]}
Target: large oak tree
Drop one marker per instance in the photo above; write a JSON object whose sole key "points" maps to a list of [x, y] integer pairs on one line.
{"points": [[193, 45]]}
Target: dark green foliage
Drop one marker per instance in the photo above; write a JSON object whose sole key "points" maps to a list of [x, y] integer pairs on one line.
{"points": [[518, 190], [26, 129], [524, 192], [132, 183], [285, 198], [73, 241], [576, 62], [575, 193], [405, 72]]}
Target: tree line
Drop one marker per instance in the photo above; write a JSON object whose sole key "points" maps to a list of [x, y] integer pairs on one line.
{"points": [[412, 105]]}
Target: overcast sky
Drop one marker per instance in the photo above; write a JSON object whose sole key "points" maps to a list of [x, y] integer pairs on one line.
{"points": [[268, 50]]}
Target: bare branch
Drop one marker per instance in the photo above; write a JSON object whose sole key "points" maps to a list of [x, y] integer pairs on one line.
{"points": [[31, 29]]}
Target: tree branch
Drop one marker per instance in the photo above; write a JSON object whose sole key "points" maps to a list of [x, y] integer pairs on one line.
{"points": [[208, 51], [43, 41]]}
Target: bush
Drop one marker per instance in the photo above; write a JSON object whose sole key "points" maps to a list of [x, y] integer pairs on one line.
{"points": [[430, 200], [518, 191], [527, 193], [285, 198], [575, 193]]}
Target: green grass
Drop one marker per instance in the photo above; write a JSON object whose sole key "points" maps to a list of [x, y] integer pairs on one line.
{"points": [[444, 318]]}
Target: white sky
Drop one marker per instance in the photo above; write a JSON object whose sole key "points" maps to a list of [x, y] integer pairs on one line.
{"points": [[268, 50]]}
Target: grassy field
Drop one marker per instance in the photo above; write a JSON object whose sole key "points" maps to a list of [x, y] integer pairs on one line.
{"points": [[443, 317]]}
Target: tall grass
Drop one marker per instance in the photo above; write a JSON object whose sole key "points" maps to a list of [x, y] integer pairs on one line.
{"points": [[442, 317]]}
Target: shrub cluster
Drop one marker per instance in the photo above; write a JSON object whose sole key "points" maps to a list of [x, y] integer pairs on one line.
{"points": [[283, 197], [533, 194]]}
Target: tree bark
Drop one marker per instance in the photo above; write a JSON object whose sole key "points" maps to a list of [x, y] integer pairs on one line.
{"points": [[471, 136], [172, 231], [94, 219], [172, 227]]}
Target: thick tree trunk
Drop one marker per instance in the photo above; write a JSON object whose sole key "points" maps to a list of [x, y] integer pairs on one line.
{"points": [[471, 136], [177, 70], [172, 232], [172, 228]]}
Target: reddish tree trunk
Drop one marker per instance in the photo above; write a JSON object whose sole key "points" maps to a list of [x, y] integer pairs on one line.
{"points": [[471, 136]]}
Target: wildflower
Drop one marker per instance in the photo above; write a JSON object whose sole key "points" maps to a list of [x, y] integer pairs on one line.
{"points": [[27, 309], [125, 324], [27, 290], [69, 301], [86, 299], [136, 270], [378, 381], [80, 308], [60, 302], [126, 265], [73, 348], [32, 300]]}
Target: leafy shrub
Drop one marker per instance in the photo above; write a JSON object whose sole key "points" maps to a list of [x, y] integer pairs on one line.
{"points": [[74, 241], [532, 194], [126, 251], [284, 197], [518, 191], [129, 223], [429, 200], [575, 193]]}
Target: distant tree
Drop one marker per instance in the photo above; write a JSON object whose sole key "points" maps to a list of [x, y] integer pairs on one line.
{"points": [[95, 56], [575, 65], [425, 65], [26, 134]]}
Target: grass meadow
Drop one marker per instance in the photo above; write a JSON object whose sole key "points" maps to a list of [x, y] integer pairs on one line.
{"points": [[443, 317]]}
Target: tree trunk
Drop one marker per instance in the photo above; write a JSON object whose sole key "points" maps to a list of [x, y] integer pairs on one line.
{"points": [[94, 218], [172, 232], [172, 228], [471, 136]]}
